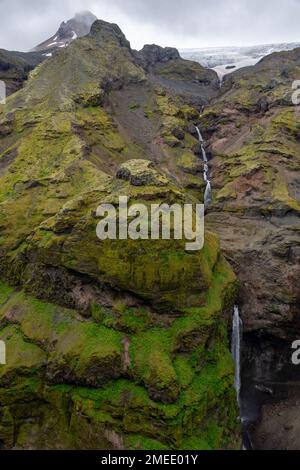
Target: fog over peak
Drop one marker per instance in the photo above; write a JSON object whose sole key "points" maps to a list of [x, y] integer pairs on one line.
{"points": [[179, 23]]}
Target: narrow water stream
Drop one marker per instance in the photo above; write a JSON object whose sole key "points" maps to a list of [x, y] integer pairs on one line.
{"points": [[264, 374], [236, 350], [237, 324], [208, 191], [237, 332]]}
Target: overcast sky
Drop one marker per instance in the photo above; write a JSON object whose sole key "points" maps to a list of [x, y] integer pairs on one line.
{"points": [[179, 23]]}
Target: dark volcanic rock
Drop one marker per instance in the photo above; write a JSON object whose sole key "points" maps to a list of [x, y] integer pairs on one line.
{"points": [[178, 133], [152, 54]]}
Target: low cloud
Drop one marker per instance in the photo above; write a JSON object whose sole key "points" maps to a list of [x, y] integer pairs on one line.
{"points": [[180, 23]]}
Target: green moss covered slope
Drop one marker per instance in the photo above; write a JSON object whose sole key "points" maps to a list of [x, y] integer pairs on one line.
{"points": [[112, 344]]}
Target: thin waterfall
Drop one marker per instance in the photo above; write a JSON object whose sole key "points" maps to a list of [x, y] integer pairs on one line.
{"points": [[208, 191], [199, 135], [237, 331], [236, 345], [204, 154], [207, 194]]}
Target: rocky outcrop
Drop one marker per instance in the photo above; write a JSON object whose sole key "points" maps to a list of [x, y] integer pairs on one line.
{"points": [[102, 30], [151, 55], [141, 173]]}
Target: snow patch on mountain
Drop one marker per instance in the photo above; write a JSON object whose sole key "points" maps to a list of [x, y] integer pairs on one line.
{"points": [[76, 27]]}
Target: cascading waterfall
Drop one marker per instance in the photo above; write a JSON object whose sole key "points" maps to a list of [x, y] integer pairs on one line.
{"points": [[208, 192], [204, 154], [236, 344], [199, 135], [237, 325], [237, 331]]}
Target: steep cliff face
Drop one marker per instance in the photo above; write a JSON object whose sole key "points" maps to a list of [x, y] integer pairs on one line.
{"points": [[254, 137], [253, 130], [128, 341]]}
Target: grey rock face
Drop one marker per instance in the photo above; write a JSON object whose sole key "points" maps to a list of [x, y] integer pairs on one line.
{"points": [[153, 54], [102, 30]]}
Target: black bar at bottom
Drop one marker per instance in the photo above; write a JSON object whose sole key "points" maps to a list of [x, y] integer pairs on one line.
{"points": [[135, 459]]}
